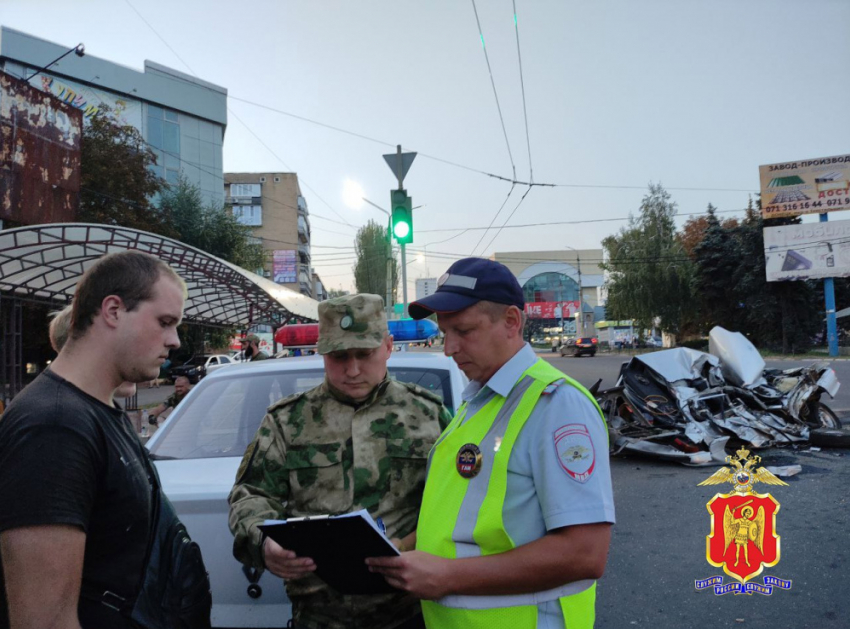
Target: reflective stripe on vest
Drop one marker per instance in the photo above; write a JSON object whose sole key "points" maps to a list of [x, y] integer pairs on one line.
{"points": [[463, 517]]}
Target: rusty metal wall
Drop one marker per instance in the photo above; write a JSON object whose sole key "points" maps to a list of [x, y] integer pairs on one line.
{"points": [[40, 139]]}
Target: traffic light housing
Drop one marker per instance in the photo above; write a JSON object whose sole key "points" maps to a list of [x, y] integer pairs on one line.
{"points": [[402, 221]]}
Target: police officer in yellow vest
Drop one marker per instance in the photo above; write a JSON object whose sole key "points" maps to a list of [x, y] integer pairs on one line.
{"points": [[516, 515]]}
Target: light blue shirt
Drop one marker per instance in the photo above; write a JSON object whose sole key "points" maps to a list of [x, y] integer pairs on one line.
{"points": [[542, 495]]}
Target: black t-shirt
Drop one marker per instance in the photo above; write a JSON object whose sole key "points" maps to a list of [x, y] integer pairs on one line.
{"points": [[67, 458]]}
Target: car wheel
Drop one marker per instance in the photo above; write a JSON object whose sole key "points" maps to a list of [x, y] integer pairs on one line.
{"points": [[831, 437]]}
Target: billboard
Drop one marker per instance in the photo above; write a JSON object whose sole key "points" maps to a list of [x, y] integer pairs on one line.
{"points": [[284, 268], [551, 309], [809, 186], [806, 252]]}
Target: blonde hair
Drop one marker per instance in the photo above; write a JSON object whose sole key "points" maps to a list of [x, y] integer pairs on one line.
{"points": [[60, 326]]}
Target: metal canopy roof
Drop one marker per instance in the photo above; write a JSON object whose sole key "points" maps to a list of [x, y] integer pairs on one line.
{"points": [[44, 262]]}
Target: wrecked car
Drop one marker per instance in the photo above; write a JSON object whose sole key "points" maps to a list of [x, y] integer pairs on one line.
{"points": [[685, 405]]}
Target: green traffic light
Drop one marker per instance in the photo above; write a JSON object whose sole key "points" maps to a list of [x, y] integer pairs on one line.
{"points": [[401, 230]]}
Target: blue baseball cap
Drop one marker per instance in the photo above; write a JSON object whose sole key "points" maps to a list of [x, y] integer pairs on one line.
{"points": [[467, 282]]}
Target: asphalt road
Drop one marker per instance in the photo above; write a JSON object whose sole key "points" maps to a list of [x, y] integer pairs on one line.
{"points": [[658, 544]]}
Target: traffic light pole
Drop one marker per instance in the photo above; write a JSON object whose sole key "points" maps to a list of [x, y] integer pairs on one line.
{"points": [[400, 175]]}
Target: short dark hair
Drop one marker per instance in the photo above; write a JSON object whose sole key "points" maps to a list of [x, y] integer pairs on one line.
{"points": [[130, 275], [496, 311]]}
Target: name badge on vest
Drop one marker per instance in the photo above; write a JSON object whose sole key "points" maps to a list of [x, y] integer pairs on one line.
{"points": [[469, 460]]}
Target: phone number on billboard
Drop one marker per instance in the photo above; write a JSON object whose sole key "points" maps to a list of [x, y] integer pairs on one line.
{"points": [[808, 206]]}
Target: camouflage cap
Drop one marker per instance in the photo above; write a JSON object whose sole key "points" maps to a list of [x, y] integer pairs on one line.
{"points": [[351, 322], [251, 338]]}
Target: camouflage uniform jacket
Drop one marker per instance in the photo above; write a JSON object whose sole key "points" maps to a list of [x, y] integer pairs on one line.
{"points": [[315, 454]]}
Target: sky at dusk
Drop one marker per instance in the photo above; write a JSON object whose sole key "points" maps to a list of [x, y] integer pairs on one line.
{"points": [[618, 94]]}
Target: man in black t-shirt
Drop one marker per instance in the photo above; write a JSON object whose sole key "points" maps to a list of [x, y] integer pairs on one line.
{"points": [[75, 494]]}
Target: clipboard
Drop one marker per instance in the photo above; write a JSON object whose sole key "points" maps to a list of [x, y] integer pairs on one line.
{"points": [[339, 546]]}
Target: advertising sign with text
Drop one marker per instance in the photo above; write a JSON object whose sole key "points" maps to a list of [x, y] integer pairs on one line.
{"points": [[808, 186], [551, 309], [808, 251], [284, 269]]}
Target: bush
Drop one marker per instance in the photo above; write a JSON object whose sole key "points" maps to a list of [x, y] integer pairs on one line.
{"points": [[697, 344]]}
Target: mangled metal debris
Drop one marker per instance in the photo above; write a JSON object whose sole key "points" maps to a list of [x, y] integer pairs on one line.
{"points": [[685, 405]]}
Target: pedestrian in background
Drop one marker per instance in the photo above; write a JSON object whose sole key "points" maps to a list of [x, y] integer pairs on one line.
{"points": [[251, 348], [358, 441], [517, 510], [182, 386]]}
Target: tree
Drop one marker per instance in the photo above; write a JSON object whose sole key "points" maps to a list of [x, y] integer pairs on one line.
{"points": [[336, 292], [716, 257], [209, 228], [649, 271], [116, 180], [370, 269], [783, 315]]}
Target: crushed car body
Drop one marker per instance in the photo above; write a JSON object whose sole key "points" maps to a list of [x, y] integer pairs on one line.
{"points": [[685, 405]]}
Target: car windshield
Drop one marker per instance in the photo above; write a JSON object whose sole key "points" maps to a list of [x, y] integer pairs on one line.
{"points": [[221, 418], [586, 340]]}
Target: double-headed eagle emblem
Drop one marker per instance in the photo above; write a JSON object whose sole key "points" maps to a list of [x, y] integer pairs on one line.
{"points": [[739, 524], [743, 475]]}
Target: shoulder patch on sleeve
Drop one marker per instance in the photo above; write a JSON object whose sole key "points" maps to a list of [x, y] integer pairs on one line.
{"points": [[575, 451]]}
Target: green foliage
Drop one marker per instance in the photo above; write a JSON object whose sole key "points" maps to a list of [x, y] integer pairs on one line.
{"points": [[775, 315], [649, 272], [733, 292], [210, 228], [717, 258], [116, 182], [370, 269]]}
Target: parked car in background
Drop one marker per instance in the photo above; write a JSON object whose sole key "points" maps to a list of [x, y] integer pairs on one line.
{"points": [[580, 346], [199, 447], [199, 366]]}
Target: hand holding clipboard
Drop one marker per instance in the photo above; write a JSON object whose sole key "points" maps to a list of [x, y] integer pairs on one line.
{"points": [[337, 547]]}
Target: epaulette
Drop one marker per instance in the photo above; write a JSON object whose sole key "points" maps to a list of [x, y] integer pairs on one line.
{"points": [[422, 392], [552, 387], [285, 401]]}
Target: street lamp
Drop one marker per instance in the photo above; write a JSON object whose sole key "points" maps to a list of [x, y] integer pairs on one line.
{"points": [[79, 50], [580, 300]]}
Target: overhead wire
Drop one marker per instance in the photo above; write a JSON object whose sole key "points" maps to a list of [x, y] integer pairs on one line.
{"points": [[522, 85], [493, 220], [508, 219], [235, 115], [493, 83], [419, 152]]}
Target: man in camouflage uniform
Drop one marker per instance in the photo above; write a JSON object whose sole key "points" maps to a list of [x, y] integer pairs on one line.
{"points": [[251, 348], [358, 441], [182, 387]]}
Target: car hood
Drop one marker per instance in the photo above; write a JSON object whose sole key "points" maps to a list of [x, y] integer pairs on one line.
{"points": [[197, 479]]}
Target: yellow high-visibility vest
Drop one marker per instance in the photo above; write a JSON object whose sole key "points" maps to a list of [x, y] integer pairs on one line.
{"points": [[450, 502]]}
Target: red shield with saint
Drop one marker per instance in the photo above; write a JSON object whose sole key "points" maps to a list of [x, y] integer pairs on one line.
{"points": [[743, 536]]}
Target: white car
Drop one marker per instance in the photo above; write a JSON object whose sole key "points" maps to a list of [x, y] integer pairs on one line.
{"points": [[199, 447], [217, 361]]}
